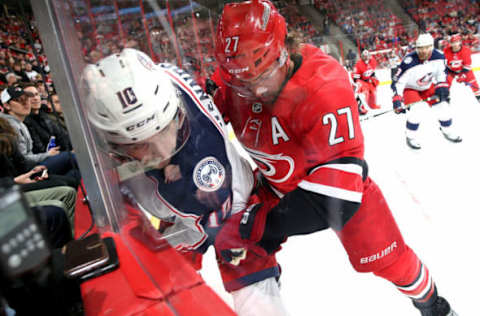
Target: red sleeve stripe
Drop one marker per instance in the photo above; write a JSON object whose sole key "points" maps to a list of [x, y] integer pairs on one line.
{"points": [[441, 85], [335, 192], [346, 177], [351, 168]]}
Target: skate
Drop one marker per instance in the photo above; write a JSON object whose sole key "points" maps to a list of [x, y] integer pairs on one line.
{"points": [[450, 135], [439, 308], [412, 143]]}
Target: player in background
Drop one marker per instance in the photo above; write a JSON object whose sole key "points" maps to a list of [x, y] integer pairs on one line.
{"points": [[459, 64], [176, 165], [394, 64], [364, 77], [422, 79], [296, 115]]}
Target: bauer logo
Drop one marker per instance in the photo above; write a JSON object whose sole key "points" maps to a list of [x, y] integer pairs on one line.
{"points": [[209, 174], [380, 254]]}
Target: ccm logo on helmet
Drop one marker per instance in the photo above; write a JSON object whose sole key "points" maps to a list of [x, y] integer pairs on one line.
{"points": [[238, 71], [141, 123]]}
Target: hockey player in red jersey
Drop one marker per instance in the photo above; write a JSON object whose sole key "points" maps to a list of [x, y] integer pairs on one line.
{"points": [[459, 64], [364, 77], [297, 117]]}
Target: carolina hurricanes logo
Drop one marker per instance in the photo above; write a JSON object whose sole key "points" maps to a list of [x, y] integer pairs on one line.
{"points": [[425, 80], [456, 63], [277, 168]]}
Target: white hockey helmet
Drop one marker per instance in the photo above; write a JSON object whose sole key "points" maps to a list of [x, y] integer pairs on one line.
{"points": [[130, 99], [424, 39]]}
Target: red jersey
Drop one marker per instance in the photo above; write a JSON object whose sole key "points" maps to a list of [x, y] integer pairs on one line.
{"points": [[363, 70], [298, 140], [456, 62]]}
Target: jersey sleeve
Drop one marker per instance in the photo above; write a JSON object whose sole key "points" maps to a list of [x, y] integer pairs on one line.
{"points": [[440, 67], [467, 59], [357, 71]]}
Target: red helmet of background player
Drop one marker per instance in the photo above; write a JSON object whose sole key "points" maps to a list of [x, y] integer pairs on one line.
{"points": [[456, 42], [455, 38], [365, 55], [250, 38]]}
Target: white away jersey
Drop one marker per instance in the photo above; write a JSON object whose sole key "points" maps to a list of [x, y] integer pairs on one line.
{"points": [[417, 75]]}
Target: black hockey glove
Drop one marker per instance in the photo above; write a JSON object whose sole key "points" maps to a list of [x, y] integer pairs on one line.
{"points": [[441, 90]]}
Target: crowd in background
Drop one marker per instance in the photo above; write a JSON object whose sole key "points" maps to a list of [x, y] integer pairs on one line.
{"points": [[35, 149]]}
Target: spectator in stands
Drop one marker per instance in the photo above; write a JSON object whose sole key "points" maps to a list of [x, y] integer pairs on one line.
{"points": [[40, 189], [17, 107], [351, 56], [56, 111], [42, 127], [19, 164], [11, 78], [21, 75], [31, 74], [39, 84]]}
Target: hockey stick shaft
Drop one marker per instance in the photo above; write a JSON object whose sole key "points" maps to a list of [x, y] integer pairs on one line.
{"points": [[433, 97]]}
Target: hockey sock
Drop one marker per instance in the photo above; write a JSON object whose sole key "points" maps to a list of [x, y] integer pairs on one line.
{"points": [[411, 277]]}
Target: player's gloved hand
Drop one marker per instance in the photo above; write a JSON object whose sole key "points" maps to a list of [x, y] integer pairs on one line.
{"points": [[240, 234], [441, 91], [374, 81], [398, 105]]}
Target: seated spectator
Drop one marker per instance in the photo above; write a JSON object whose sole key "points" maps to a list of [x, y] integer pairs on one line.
{"points": [[15, 163], [11, 78], [17, 107], [42, 190], [42, 127], [18, 71], [58, 115], [39, 84], [31, 73]]}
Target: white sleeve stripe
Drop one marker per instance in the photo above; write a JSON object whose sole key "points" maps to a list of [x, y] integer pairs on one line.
{"points": [[351, 168], [331, 191], [425, 290]]}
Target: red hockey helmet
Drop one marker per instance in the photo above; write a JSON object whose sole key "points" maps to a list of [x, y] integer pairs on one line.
{"points": [[455, 38], [250, 38]]}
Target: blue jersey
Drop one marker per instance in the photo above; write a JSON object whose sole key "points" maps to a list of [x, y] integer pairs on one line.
{"points": [[215, 180]]}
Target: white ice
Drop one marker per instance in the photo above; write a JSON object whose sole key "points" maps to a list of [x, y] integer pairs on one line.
{"points": [[433, 194]]}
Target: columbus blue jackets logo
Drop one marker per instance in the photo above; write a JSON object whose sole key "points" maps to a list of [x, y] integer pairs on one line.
{"points": [[209, 174]]}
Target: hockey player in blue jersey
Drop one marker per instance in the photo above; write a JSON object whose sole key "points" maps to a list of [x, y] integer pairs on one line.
{"points": [[177, 165], [421, 78]]}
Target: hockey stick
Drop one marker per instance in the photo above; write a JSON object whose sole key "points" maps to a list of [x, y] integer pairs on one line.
{"points": [[433, 97]]}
